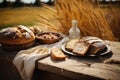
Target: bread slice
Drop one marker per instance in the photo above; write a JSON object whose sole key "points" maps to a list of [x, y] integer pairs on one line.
{"points": [[81, 47], [57, 54], [71, 44], [96, 47]]}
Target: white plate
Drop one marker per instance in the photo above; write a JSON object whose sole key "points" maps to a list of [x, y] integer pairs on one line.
{"points": [[106, 51]]}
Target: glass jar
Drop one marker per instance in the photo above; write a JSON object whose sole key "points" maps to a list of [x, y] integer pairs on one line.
{"points": [[74, 31]]}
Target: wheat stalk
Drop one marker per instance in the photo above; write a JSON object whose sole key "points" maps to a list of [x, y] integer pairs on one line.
{"points": [[91, 20]]}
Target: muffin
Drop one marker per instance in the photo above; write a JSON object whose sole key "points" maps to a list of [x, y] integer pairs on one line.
{"points": [[16, 38]]}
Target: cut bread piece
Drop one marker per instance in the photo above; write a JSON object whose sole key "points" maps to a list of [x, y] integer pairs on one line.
{"points": [[81, 47], [57, 54], [71, 44], [96, 47]]}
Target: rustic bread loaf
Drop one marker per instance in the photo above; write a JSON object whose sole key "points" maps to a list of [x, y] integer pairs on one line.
{"points": [[16, 37], [96, 47], [57, 54]]}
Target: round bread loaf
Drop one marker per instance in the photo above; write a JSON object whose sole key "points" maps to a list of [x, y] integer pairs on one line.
{"points": [[14, 37]]}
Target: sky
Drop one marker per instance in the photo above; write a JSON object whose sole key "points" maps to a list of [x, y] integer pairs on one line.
{"points": [[26, 1]]}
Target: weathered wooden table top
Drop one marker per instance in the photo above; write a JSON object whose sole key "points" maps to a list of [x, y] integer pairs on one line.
{"points": [[83, 68], [86, 68]]}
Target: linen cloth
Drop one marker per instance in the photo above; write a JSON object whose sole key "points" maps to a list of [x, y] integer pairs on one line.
{"points": [[25, 59]]}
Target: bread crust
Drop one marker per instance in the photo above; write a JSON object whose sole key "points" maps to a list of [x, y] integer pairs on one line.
{"points": [[96, 47]]}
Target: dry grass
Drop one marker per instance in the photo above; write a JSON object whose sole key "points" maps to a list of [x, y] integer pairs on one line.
{"points": [[91, 20], [113, 19]]}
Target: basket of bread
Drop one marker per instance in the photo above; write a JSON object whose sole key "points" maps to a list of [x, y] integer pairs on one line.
{"points": [[48, 37], [86, 46]]}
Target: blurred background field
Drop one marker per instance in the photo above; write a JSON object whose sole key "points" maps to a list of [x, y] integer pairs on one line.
{"points": [[29, 16], [103, 21], [9, 16]]}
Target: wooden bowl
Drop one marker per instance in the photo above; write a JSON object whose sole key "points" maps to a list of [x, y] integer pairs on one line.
{"points": [[48, 37]]}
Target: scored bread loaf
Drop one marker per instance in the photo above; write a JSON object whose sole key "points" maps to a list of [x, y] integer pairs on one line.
{"points": [[57, 54], [16, 38], [96, 47], [81, 47], [71, 44]]}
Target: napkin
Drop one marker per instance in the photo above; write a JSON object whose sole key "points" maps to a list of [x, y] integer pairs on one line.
{"points": [[25, 60]]}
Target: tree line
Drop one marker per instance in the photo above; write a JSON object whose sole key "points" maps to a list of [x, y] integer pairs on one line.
{"points": [[110, 2], [18, 3]]}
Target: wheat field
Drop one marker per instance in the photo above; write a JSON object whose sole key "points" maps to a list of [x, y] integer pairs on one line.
{"points": [[92, 21]]}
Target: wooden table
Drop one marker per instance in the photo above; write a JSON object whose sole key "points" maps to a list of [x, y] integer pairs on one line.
{"points": [[73, 68], [85, 68]]}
